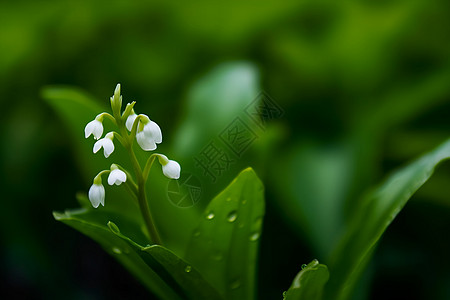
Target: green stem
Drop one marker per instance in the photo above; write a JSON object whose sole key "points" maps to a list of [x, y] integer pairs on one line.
{"points": [[142, 198], [108, 116], [148, 166], [146, 214]]}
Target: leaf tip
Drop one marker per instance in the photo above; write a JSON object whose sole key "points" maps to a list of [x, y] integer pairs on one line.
{"points": [[59, 216], [250, 173]]}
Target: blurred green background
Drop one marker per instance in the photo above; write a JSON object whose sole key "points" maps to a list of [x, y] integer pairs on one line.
{"points": [[364, 85]]}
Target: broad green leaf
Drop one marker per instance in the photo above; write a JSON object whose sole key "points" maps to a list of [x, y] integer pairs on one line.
{"points": [[183, 278], [309, 282], [224, 245], [163, 272], [311, 208], [388, 111], [93, 224], [76, 108], [373, 216], [213, 102]]}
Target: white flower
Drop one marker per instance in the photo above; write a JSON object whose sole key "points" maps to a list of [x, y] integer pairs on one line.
{"points": [[106, 143], [97, 195], [117, 177], [130, 120], [170, 168], [148, 135], [95, 128]]}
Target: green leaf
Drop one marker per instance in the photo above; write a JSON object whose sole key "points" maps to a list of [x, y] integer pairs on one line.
{"points": [[93, 224], [164, 273], [305, 202], [184, 279], [373, 216], [224, 245], [309, 282], [215, 101], [76, 108]]}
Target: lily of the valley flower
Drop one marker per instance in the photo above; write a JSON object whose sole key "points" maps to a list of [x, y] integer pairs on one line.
{"points": [[106, 143], [170, 168], [130, 120], [94, 127], [97, 193], [148, 134], [116, 176]]}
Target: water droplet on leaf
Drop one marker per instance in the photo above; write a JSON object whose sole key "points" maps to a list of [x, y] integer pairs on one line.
{"points": [[210, 216], [232, 216], [254, 236], [304, 266], [197, 233], [188, 269], [116, 250]]}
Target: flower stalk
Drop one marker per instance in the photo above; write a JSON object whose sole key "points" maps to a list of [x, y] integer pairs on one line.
{"points": [[147, 134]]}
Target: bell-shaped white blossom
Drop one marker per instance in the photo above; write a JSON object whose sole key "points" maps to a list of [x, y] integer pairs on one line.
{"points": [[97, 195], [148, 134], [117, 177], [153, 132], [95, 128], [170, 168], [145, 143], [130, 120], [106, 143]]}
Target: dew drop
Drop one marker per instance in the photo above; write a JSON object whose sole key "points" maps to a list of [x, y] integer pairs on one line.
{"points": [[254, 236], [304, 266], [232, 216], [244, 201], [116, 250], [228, 199], [188, 269], [241, 225], [235, 284], [210, 216], [197, 234]]}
